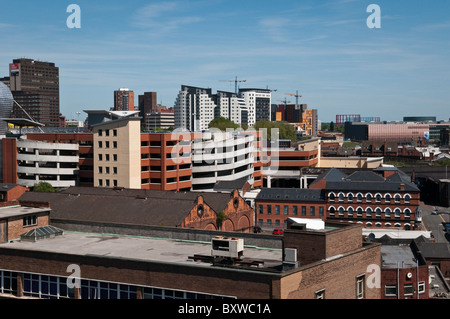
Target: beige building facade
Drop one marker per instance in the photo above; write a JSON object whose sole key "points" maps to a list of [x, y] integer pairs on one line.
{"points": [[117, 154]]}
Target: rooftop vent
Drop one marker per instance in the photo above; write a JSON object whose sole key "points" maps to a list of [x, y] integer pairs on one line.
{"points": [[230, 247]]}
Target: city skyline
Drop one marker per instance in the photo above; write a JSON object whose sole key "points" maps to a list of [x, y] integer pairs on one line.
{"points": [[325, 51]]}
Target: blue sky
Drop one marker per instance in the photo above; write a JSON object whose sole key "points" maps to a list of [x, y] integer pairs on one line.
{"points": [[322, 49]]}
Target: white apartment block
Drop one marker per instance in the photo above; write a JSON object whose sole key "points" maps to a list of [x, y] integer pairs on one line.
{"points": [[258, 103], [196, 107]]}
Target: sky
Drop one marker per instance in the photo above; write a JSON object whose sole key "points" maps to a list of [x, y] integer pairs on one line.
{"points": [[324, 50]]}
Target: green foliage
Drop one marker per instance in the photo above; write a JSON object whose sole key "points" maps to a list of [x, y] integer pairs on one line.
{"points": [[220, 218], [442, 162], [222, 124], [286, 130], [331, 126], [44, 187]]}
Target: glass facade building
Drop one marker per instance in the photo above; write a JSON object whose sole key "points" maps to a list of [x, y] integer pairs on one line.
{"points": [[6, 105]]}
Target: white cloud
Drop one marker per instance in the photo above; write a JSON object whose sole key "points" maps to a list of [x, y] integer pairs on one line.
{"points": [[163, 17]]}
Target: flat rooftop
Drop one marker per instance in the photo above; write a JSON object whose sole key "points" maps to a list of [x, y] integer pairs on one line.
{"points": [[16, 211], [138, 248], [397, 256]]}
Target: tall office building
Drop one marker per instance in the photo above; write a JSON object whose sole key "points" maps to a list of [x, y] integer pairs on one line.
{"points": [[229, 105], [35, 86], [194, 108], [258, 102], [123, 100]]}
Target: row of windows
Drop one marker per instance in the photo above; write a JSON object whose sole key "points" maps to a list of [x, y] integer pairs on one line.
{"points": [[57, 287], [107, 144], [107, 157], [107, 170], [107, 183], [368, 197], [408, 289], [294, 211], [397, 212], [100, 132]]}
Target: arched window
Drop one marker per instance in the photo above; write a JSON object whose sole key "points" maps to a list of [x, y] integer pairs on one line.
{"points": [[407, 213], [350, 211], [387, 212], [387, 198], [407, 198], [369, 212], [378, 198], [368, 224], [341, 211], [350, 197], [341, 196], [332, 210], [369, 198], [397, 212], [359, 211], [359, 197], [397, 198], [332, 196], [378, 212], [387, 225]]}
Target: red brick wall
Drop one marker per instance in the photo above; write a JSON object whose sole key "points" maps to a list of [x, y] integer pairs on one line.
{"points": [[16, 227], [337, 277], [399, 277], [282, 217], [313, 246], [239, 215], [9, 157], [15, 192]]}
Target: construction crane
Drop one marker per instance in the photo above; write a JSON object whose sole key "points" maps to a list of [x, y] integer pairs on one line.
{"points": [[274, 90], [285, 101], [296, 98], [235, 83]]}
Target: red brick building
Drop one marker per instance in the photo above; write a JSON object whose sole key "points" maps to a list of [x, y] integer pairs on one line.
{"points": [[148, 207], [384, 199], [112, 266], [275, 205], [16, 220]]}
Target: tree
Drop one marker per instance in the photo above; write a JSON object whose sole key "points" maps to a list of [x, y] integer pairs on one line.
{"points": [[220, 218], [286, 130], [331, 126], [44, 187], [222, 124]]}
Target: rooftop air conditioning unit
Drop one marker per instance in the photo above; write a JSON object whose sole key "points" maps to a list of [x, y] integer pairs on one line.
{"points": [[227, 247]]}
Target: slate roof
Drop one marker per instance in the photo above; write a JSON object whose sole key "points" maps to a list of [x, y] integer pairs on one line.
{"points": [[366, 181], [332, 174], [125, 206], [434, 250], [291, 194], [230, 186]]}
